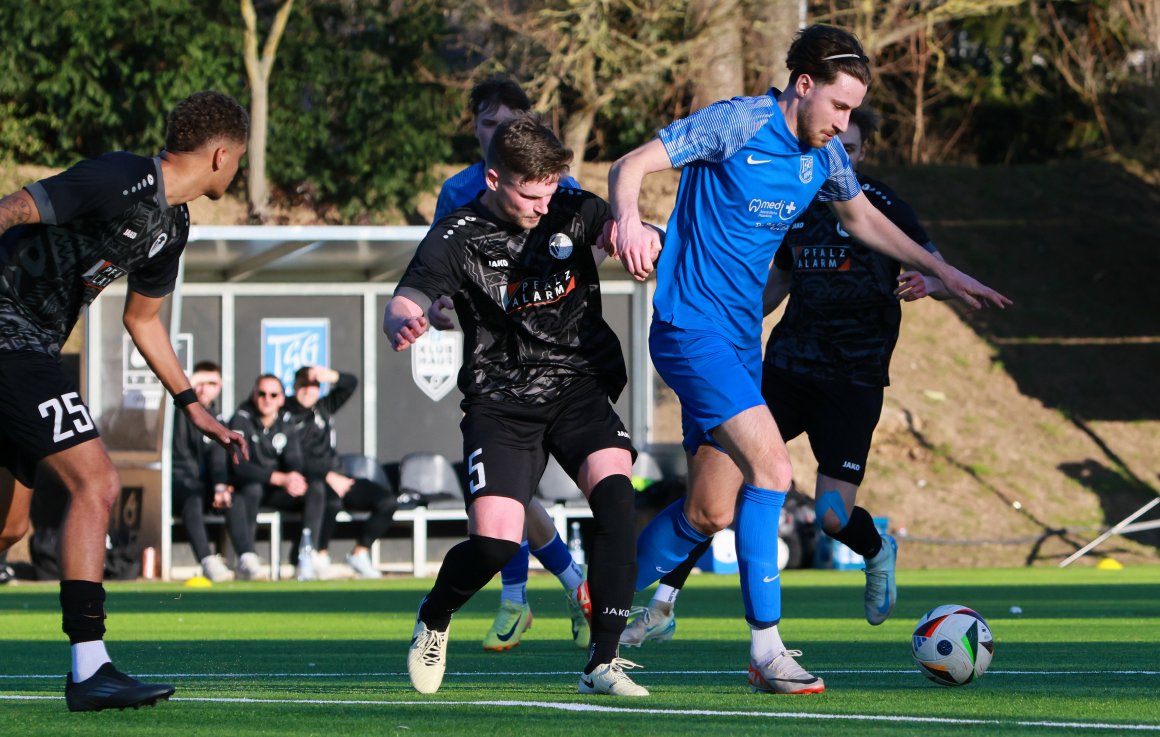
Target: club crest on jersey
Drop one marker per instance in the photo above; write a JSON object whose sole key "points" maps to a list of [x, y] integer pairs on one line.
{"points": [[435, 362], [806, 171], [279, 442], [560, 246], [158, 243]]}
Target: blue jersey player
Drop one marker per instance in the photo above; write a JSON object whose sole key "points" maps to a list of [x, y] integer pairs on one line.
{"points": [[751, 165]]}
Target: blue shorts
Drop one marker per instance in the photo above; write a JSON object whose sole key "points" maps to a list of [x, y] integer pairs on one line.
{"points": [[714, 379]]}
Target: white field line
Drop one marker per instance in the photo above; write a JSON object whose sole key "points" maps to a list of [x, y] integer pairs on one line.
{"points": [[600, 709], [644, 673]]}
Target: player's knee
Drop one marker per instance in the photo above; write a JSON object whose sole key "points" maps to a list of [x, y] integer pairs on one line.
{"points": [[13, 532], [99, 489], [493, 553], [709, 521], [773, 471]]}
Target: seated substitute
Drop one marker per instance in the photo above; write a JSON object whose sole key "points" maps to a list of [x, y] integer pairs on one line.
{"points": [[273, 475], [540, 366], [201, 475], [313, 416]]}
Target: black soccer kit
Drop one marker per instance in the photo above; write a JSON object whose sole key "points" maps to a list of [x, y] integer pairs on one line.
{"points": [[319, 441], [540, 364], [277, 448], [100, 220], [540, 367], [199, 464], [827, 359]]}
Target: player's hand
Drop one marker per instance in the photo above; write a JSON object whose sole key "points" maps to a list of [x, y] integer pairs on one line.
{"points": [[436, 316], [295, 484], [409, 331], [636, 245], [606, 241], [911, 286], [223, 496], [233, 442], [970, 290], [341, 484]]}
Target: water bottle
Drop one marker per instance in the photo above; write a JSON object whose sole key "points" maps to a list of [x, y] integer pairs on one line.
{"points": [[305, 557], [574, 545]]}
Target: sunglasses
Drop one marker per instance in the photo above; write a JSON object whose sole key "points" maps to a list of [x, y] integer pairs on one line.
{"points": [[267, 395]]}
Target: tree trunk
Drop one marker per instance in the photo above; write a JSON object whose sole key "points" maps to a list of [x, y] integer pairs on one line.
{"points": [[258, 70], [770, 26], [717, 52], [575, 135]]}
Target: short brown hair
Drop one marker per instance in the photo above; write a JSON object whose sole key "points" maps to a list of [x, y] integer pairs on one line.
{"points": [[203, 118], [868, 121], [813, 52], [527, 149]]}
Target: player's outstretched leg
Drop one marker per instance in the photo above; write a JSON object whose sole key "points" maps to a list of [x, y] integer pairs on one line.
{"points": [[466, 568], [656, 622], [612, 572]]}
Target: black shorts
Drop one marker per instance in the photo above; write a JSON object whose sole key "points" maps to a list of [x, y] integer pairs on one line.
{"points": [[506, 446], [838, 418], [41, 412]]}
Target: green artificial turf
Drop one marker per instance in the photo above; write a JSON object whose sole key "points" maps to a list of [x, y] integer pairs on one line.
{"points": [[328, 658]]}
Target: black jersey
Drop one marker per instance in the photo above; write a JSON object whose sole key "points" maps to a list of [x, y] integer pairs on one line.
{"points": [[528, 300], [274, 448], [842, 319], [99, 220], [315, 427]]}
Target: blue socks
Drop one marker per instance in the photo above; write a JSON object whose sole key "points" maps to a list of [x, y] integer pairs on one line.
{"points": [[666, 542], [557, 560], [514, 576], [758, 515]]}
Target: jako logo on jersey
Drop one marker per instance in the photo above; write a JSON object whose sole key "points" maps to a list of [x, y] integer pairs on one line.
{"points": [[560, 246], [158, 243], [806, 170], [623, 434], [851, 465], [770, 208], [130, 234], [537, 291], [615, 611], [498, 263]]}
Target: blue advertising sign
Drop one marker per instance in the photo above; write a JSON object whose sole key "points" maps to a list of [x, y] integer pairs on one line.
{"points": [[289, 343]]}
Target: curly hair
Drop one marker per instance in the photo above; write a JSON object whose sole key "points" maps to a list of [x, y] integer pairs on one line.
{"points": [[823, 52], [205, 117], [527, 149]]}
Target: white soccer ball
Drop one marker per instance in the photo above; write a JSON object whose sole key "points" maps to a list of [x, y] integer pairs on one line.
{"points": [[952, 645]]}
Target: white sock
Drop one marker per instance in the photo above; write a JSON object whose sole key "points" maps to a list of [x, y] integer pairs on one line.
{"points": [[87, 657], [666, 595], [517, 592], [765, 644]]}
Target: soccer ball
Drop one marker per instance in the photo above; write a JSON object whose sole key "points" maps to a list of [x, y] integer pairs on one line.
{"points": [[952, 645]]}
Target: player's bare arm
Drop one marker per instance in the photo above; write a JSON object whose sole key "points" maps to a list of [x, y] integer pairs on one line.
{"points": [[776, 289], [403, 322], [913, 285], [18, 208], [865, 223], [635, 244], [142, 318]]}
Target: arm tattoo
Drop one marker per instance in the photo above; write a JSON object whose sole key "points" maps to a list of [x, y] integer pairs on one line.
{"points": [[15, 209]]}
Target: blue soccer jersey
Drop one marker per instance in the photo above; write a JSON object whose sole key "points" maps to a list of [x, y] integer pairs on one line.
{"points": [[746, 179], [464, 186]]}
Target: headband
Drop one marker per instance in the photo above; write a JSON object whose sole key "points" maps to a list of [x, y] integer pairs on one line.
{"points": [[845, 56]]}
